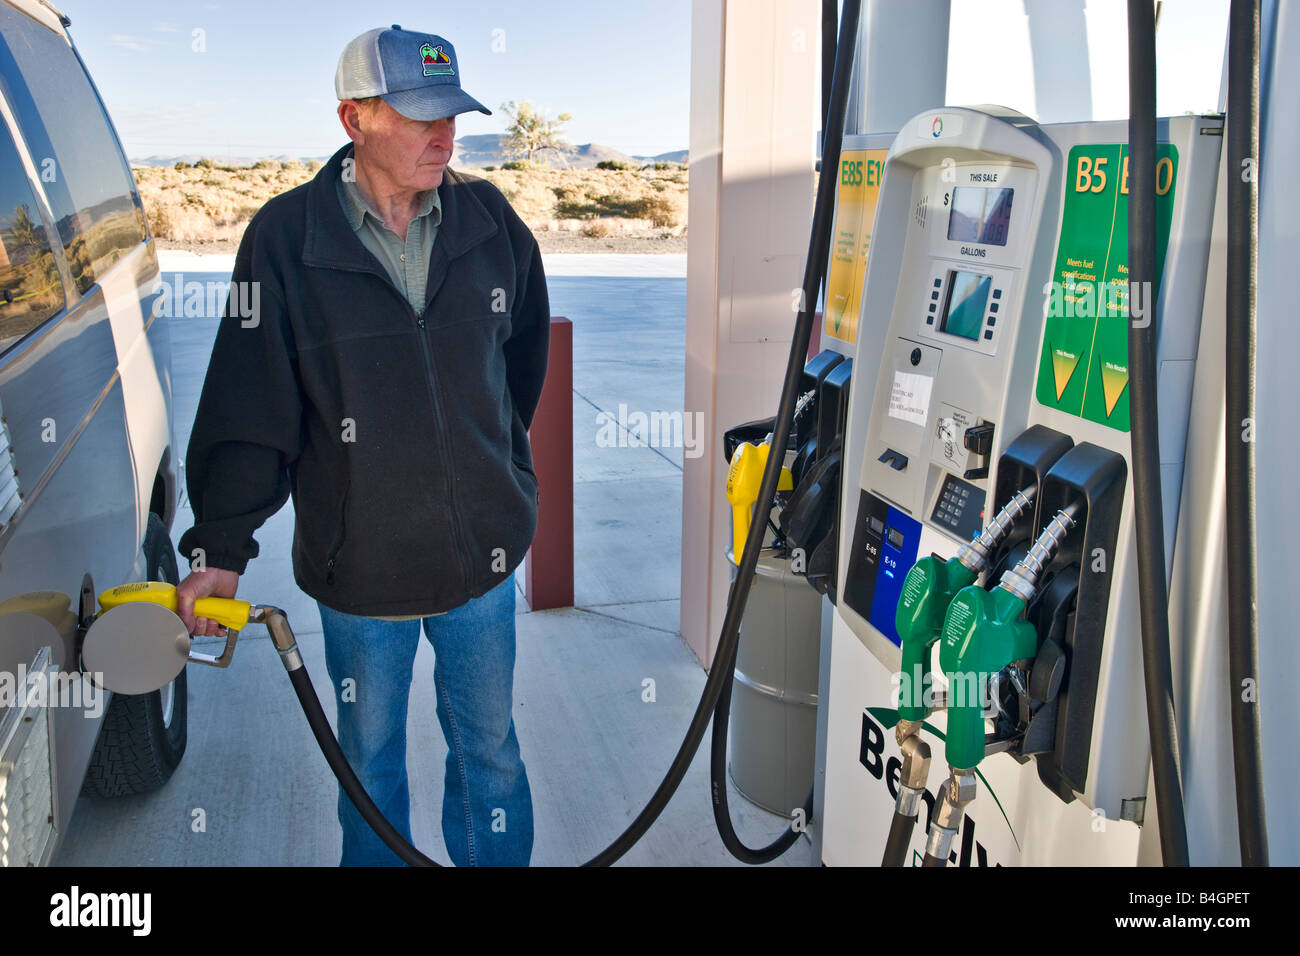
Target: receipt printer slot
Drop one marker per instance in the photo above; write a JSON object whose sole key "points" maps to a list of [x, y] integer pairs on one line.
{"points": [[894, 460]]}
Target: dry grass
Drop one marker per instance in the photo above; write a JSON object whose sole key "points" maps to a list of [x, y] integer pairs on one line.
{"points": [[210, 202], [597, 202]]}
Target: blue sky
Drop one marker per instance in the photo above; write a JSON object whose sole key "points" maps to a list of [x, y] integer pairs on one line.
{"points": [[263, 83]]}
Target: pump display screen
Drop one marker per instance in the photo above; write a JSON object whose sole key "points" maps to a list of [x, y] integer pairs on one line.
{"points": [[980, 214], [963, 309]]}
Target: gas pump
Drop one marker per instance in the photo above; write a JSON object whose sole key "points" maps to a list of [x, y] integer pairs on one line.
{"points": [[988, 599]]}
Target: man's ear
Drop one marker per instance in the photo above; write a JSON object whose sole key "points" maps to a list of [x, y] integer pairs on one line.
{"points": [[350, 116]]}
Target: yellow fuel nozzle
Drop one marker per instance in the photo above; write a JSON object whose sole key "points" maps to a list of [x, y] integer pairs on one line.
{"points": [[744, 478], [228, 612]]}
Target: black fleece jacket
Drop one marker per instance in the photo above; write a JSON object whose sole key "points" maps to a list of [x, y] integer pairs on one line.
{"points": [[402, 437]]}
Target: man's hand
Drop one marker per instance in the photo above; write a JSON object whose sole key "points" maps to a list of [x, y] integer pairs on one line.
{"points": [[210, 582]]}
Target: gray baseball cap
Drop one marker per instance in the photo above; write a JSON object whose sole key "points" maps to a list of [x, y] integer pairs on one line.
{"points": [[416, 74]]}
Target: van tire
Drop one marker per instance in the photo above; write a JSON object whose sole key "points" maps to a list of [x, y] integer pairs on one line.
{"points": [[137, 751]]}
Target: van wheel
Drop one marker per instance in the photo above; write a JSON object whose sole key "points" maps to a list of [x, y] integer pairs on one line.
{"points": [[143, 736]]}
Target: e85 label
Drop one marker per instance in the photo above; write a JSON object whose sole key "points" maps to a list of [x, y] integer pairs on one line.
{"points": [[858, 172]]}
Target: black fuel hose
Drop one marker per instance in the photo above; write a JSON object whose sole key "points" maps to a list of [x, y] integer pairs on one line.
{"points": [[329, 746], [719, 675], [718, 787], [1153, 591], [830, 43], [818, 250], [900, 838], [1243, 624], [724, 659], [933, 861]]}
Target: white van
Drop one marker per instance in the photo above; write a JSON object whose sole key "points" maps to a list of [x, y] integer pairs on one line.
{"points": [[87, 481]]}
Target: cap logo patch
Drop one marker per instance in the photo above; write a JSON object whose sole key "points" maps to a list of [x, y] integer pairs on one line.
{"points": [[436, 62]]}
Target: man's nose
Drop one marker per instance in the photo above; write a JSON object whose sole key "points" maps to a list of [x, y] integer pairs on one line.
{"points": [[440, 131]]}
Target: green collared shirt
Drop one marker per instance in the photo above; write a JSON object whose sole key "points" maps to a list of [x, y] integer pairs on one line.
{"points": [[406, 262]]}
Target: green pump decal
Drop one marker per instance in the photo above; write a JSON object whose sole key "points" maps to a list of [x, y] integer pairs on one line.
{"points": [[1084, 366], [888, 718]]}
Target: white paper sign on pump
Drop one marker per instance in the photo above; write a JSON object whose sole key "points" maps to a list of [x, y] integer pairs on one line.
{"points": [[909, 400]]}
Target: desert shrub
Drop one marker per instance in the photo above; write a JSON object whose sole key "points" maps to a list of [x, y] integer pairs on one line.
{"points": [[577, 209], [659, 209], [612, 164], [515, 165], [160, 222]]}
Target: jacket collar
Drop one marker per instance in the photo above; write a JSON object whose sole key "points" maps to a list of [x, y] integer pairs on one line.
{"points": [[331, 242]]}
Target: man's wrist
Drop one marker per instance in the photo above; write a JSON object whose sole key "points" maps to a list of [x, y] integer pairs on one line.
{"points": [[217, 562]]}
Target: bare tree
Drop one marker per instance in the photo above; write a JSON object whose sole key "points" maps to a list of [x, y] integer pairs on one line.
{"points": [[531, 131]]}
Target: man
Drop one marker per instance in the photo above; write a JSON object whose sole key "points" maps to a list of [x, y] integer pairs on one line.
{"points": [[387, 381]]}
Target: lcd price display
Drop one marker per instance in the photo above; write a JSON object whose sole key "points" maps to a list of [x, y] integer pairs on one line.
{"points": [[963, 309], [981, 215]]}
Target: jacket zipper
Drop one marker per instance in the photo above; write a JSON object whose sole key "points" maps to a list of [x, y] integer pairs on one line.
{"points": [[461, 549], [340, 537]]}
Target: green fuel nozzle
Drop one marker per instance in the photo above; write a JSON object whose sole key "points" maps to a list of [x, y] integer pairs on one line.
{"points": [[984, 631], [927, 591]]}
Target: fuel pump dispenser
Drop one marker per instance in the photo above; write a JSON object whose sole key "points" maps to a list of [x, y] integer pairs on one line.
{"points": [[988, 599]]}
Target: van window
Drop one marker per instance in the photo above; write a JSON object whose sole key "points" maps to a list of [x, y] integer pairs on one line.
{"points": [[81, 167], [30, 288]]}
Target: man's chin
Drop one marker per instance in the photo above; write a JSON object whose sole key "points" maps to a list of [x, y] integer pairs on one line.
{"points": [[431, 176]]}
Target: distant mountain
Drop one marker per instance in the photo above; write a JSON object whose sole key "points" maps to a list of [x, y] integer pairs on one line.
{"points": [[484, 149], [193, 158], [472, 152], [677, 156]]}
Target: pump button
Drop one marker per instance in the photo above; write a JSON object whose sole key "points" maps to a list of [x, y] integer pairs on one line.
{"points": [[988, 333], [997, 293]]}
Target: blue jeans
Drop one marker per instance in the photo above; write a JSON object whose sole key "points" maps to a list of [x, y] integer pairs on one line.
{"points": [[487, 811]]}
